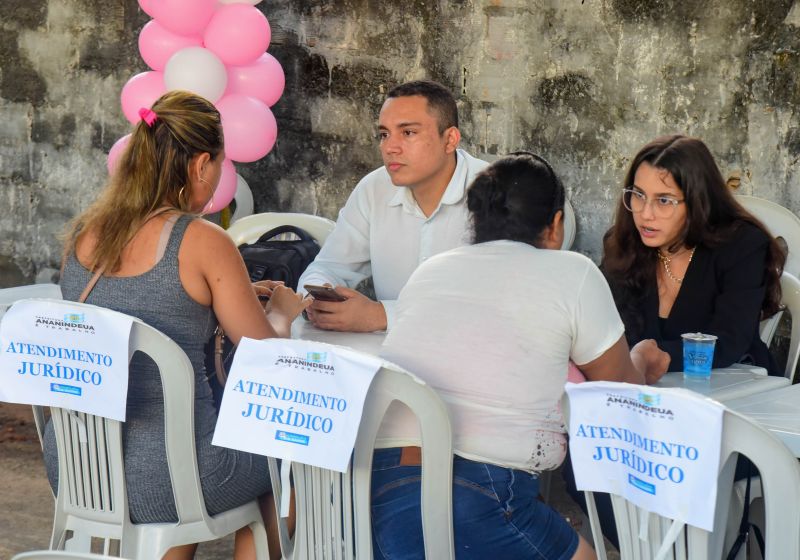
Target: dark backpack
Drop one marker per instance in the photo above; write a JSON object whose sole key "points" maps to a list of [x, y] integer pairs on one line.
{"points": [[277, 259], [266, 259]]}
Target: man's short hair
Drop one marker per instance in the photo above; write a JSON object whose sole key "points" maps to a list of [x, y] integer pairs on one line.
{"points": [[439, 98]]}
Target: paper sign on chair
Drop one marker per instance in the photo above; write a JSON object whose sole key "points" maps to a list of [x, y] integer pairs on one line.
{"points": [[658, 448], [54, 354], [296, 400]]}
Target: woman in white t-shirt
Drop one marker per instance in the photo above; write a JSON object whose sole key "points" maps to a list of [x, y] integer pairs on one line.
{"points": [[491, 327]]}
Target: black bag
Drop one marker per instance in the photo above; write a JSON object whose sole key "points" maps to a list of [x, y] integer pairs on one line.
{"points": [[273, 259], [266, 259]]}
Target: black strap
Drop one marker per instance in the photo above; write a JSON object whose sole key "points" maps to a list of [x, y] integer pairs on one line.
{"points": [[745, 525], [274, 232]]}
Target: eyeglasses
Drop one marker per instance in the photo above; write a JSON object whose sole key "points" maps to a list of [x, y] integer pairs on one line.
{"points": [[663, 206]]}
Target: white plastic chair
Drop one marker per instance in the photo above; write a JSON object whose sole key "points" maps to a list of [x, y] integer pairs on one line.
{"points": [[333, 509], [781, 222], [781, 484], [92, 497], [61, 555], [9, 296], [244, 200], [250, 228], [790, 287], [570, 226], [790, 298]]}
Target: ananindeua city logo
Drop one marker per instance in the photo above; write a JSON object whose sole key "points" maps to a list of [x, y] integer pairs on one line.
{"points": [[313, 361], [647, 404], [74, 322]]}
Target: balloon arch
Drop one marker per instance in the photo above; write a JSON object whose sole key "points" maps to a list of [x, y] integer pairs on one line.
{"points": [[216, 49]]}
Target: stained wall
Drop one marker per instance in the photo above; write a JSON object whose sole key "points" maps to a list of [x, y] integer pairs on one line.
{"points": [[585, 83]]}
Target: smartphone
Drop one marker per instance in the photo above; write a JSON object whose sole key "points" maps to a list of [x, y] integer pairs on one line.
{"points": [[324, 293]]}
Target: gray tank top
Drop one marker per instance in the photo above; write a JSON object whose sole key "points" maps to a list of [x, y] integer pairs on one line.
{"points": [[158, 298], [229, 478]]}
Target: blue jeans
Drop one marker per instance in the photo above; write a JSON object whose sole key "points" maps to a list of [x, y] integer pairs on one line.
{"points": [[496, 513]]}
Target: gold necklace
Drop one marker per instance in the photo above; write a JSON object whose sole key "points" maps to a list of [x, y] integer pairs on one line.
{"points": [[665, 260]]}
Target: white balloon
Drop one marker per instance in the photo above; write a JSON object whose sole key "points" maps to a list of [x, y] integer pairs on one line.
{"points": [[197, 70], [251, 2], [243, 198]]}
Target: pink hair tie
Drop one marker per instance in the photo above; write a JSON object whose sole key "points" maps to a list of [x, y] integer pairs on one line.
{"points": [[148, 116]]}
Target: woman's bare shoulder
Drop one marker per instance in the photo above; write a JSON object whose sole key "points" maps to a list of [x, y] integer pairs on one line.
{"points": [[208, 241], [200, 230]]}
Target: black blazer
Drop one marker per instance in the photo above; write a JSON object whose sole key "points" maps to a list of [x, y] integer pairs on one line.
{"points": [[721, 294]]}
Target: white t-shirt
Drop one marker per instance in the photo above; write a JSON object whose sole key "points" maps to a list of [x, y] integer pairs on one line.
{"points": [[491, 328], [382, 232]]}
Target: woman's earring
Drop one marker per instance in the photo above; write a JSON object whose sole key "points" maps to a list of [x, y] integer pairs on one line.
{"points": [[210, 206], [180, 195]]}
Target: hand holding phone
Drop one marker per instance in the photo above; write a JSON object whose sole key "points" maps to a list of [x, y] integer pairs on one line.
{"points": [[324, 293]]}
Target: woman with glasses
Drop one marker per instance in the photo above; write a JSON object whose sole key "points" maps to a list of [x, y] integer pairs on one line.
{"points": [[684, 256], [491, 326]]}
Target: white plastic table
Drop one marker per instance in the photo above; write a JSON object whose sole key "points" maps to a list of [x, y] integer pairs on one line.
{"points": [[777, 410], [733, 382], [368, 343], [728, 383]]}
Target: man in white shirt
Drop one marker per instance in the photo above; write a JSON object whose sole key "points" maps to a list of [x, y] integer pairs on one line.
{"points": [[400, 214]]}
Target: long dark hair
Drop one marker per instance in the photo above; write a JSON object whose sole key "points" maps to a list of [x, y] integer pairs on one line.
{"points": [[515, 198], [712, 217]]}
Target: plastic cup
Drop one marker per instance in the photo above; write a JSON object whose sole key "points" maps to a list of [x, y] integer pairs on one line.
{"points": [[698, 355]]}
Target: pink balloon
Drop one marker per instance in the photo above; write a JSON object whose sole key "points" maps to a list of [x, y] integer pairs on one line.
{"points": [[115, 152], [226, 189], [147, 6], [157, 44], [141, 91], [249, 127], [263, 79], [238, 34], [184, 17]]}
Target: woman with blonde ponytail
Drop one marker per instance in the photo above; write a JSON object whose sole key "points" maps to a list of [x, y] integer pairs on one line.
{"points": [[151, 257]]}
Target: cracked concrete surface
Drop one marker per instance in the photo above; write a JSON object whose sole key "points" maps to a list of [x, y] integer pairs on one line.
{"points": [[26, 503]]}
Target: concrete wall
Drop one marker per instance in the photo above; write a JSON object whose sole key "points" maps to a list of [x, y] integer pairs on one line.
{"points": [[585, 83]]}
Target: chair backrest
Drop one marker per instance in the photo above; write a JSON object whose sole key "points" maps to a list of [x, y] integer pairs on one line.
{"points": [[781, 222], [790, 297], [780, 477], [768, 327], [250, 228], [570, 226], [243, 199], [333, 509], [10, 295], [92, 496], [61, 555]]}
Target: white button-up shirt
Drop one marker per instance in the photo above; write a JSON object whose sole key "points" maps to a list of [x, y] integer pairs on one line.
{"points": [[382, 232]]}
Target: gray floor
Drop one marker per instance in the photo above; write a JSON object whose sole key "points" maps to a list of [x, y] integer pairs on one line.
{"points": [[26, 503]]}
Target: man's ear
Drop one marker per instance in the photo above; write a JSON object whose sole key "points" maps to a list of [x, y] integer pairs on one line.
{"points": [[453, 137]]}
